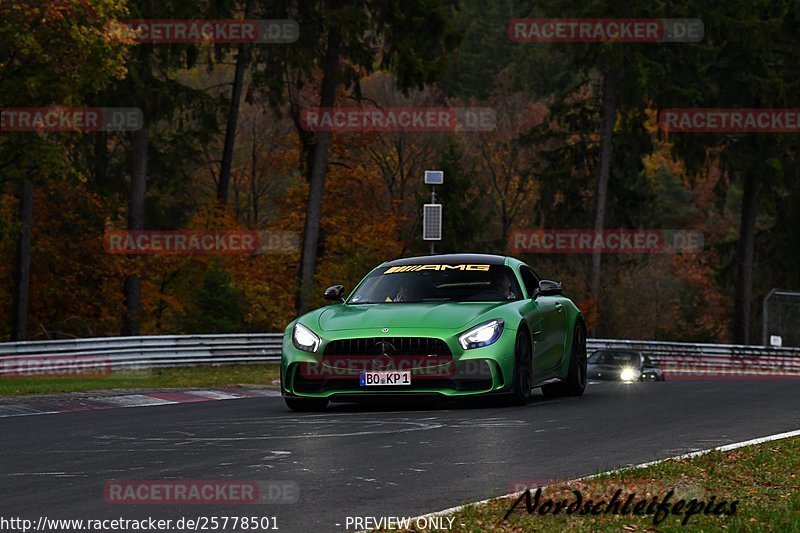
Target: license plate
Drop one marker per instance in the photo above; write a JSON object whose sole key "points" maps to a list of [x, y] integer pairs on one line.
{"points": [[371, 379]]}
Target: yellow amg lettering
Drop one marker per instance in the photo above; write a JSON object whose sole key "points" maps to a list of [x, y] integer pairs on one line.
{"points": [[417, 268]]}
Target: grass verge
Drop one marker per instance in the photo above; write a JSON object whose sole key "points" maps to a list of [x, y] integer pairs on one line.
{"points": [[763, 479], [183, 377]]}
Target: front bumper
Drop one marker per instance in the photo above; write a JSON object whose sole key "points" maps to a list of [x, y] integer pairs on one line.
{"points": [[616, 375], [466, 372]]}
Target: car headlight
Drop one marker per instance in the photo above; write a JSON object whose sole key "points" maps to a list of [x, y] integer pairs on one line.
{"points": [[481, 335], [629, 374], [304, 339]]}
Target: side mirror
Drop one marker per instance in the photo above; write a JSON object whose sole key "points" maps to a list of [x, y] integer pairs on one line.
{"points": [[548, 288], [335, 293]]}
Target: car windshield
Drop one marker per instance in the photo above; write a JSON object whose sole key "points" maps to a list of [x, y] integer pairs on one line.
{"points": [[614, 358], [438, 283]]}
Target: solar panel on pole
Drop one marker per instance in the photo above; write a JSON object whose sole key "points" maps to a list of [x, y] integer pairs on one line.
{"points": [[434, 177], [432, 222]]}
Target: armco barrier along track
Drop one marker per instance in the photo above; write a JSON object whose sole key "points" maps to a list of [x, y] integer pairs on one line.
{"points": [[187, 350], [147, 352]]}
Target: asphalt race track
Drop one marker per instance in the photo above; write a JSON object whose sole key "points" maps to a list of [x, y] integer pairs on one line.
{"points": [[386, 460]]}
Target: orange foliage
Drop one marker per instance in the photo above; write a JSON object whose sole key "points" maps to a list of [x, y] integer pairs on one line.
{"points": [[75, 285]]}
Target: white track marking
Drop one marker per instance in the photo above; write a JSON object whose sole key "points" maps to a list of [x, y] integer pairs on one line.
{"points": [[725, 448], [215, 395], [136, 400], [132, 400], [21, 410]]}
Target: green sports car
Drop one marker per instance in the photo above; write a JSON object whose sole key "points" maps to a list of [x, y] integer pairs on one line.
{"points": [[446, 325]]}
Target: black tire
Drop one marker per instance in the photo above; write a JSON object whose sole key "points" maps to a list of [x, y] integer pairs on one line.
{"points": [[575, 383], [306, 405], [523, 368]]}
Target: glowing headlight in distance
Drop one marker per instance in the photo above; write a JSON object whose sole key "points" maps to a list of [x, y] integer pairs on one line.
{"points": [[629, 374], [304, 339], [481, 335]]}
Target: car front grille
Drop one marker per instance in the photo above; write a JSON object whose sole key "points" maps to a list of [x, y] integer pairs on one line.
{"points": [[391, 346]]}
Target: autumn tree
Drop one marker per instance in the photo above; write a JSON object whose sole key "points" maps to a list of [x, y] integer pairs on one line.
{"points": [[340, 43], [166, 102], [745, 61], [621, 75], [51, 53]]}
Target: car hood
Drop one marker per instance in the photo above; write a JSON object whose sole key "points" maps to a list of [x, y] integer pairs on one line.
{"points": [[444, 315], [611, 368]]}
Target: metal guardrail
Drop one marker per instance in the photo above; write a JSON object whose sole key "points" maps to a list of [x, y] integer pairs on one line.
{"points": [[116, 353], [686, 358], [658, 349]]}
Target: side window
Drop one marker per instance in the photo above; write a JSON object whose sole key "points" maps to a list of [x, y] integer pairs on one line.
{"points": [[529, 279]]}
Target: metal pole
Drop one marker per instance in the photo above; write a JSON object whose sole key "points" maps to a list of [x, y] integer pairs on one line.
{"points": [[764, 320], [433, 201]]}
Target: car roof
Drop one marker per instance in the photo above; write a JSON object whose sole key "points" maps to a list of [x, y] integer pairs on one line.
{"points": [[449, 259]]}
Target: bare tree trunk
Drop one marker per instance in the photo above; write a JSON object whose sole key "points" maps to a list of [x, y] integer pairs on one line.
{"points": [[745, 258], [254, 176], [319, 167], [242, 61], [132, 321], [610, 98], [101, 161], [22, 265]]}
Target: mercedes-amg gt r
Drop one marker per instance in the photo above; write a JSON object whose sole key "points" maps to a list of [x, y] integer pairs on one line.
{"points": [[447, 325]]}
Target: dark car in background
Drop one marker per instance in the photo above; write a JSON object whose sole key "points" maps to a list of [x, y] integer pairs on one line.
{"points": [[622, 365]]}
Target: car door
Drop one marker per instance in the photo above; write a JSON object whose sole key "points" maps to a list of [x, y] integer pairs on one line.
{"points": [[546, 321], [559, 325]]}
